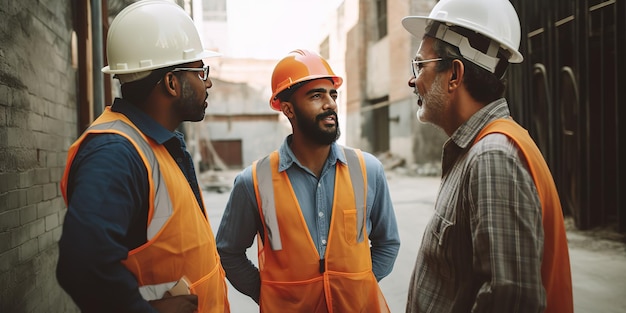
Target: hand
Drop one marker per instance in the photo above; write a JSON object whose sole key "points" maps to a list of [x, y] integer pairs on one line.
{"points": [[176, 304]]}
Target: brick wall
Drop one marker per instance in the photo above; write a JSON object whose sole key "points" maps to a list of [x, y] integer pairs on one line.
{"points": [[37, 124]]}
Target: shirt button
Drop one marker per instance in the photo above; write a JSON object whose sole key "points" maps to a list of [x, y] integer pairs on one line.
{"points": [[179, 160], [323, 241], [320, 214]]}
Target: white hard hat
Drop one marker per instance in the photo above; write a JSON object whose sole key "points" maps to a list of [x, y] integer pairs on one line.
{"points": [[494, 19], [151, 34]]}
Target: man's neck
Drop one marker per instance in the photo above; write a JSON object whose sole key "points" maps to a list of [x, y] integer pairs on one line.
{"points": [[310, 155]]}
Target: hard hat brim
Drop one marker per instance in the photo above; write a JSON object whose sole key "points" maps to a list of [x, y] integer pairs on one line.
{"points": [[275, 103], [202, 55]]}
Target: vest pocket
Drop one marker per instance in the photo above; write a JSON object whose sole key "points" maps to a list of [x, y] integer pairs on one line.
{"points": [[349, 221], [303, 296], [356, 292]]}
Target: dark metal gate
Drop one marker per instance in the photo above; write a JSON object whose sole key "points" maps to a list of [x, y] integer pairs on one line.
{"points": [[567, 94]]}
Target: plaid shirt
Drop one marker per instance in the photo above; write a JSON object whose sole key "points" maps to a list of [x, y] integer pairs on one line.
{"points": [[482, 249]]}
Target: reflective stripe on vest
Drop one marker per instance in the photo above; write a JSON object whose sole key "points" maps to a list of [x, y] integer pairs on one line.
{"points": [[266, 192], [356, 176], [162, 203]]}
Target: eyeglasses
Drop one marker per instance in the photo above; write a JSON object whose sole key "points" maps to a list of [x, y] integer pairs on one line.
{"points": [[417, 67], [203, 71]]}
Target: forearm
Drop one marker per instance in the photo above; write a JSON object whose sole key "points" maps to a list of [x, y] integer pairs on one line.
{"points": [[100, 288], [236, 234], [512, 270], [383, 258], [507, 237], [242, 274], [383, 227]]}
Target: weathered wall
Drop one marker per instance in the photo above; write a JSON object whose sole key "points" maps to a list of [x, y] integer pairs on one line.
{"points": [[381, 67], [37, 124]]}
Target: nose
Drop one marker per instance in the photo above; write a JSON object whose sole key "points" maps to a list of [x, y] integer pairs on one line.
{"points": [[330, 103], [412, 81], [208, 83]]}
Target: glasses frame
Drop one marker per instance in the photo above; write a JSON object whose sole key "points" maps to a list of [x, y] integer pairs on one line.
{"points": [[205, 71], [415, 65]]}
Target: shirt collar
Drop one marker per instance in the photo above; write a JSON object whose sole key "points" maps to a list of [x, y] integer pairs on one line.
{"points": [[466, 133], [147, 125], [287, 158]]}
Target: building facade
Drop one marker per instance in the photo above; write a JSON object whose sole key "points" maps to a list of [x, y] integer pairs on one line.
{"points": [[366, 39]]}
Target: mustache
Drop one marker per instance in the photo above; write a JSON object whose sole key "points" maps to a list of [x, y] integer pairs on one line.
{"points": [[324, 115]]}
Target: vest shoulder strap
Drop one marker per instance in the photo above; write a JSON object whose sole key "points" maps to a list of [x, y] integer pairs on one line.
{"points": [[162, 202], [358, 176]]}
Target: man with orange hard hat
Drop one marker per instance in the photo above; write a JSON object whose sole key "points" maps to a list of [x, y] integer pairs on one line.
{"points": [[325, 226]]}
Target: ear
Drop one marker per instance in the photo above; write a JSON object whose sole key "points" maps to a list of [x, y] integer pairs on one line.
{"points": [[456, 74], [170, 84], [287, 108]]}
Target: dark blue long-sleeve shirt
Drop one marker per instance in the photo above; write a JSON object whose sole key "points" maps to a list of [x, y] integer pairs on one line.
{"points": [[108, 212]]}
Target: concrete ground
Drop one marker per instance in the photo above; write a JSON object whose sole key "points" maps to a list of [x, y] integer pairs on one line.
{"points": [[598, 258]]}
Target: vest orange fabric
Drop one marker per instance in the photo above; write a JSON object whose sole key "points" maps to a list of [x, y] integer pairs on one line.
{"points": [[555, 266], [184, 243], [291, 278]]}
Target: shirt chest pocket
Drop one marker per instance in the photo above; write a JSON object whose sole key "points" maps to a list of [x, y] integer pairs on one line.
{"points": [[440, 229], [441, 244]]}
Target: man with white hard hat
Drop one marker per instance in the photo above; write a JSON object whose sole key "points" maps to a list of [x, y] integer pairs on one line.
{"points": [[136, 237], [496, 242]]}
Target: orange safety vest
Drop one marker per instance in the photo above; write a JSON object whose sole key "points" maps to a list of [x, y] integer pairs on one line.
{"points": [[555, 267], [293, 276], [180, 239]]}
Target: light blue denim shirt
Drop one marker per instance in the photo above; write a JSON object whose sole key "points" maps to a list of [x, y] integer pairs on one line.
{"points": [[241, 221]]}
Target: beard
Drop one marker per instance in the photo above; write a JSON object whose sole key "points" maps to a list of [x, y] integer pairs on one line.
{"points": [[189, 108], [312, 130], [431, 109]]}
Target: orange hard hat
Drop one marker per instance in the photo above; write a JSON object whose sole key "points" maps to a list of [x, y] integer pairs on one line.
{"points": [[296, 67]]}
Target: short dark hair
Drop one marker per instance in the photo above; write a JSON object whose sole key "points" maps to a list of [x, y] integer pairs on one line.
{"points": [[137, 91], [482, 85], [286, 94]]}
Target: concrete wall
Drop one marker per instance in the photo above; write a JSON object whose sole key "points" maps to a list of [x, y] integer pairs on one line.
{"points": [[37, 124], [377, 69], [411, 140], [380, 67], [355, 70], [239, 111]]}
